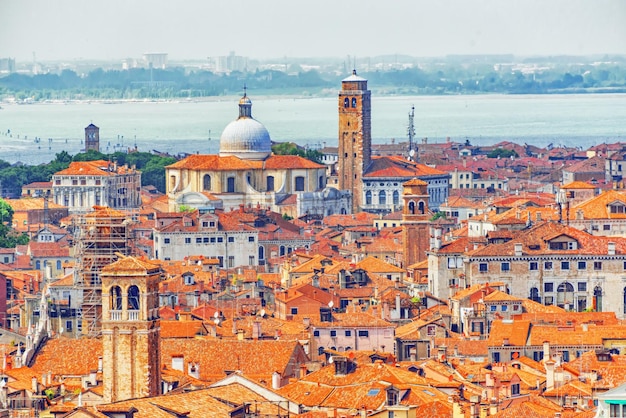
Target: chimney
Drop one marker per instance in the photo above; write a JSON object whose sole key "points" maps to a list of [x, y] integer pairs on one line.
{"points": [[93, 378], [239, 335], [256, 330], [33, 385], [518, 249], [99, 364], [276, 380], [549, 374], [546, 350], [611, 248]]}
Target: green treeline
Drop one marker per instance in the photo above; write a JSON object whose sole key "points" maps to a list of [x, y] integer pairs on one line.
{"points": [[449, 77], [152, 167]]}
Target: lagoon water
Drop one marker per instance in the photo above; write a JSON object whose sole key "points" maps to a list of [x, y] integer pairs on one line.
{"points": [[195, 126]]}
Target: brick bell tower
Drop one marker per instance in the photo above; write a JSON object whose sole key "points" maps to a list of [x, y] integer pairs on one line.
{"points": [[130, 329], [415, 221], [355, 136], [92, 138]]}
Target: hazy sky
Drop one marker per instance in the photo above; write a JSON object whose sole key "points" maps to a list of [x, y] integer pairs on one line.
{"points": [[115, 29]]}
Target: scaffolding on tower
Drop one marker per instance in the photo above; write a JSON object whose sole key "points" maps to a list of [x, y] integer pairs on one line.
{"points": [[102, 236]]}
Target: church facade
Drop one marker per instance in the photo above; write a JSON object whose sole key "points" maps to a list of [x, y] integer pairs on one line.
{"points": [[245, 172]]}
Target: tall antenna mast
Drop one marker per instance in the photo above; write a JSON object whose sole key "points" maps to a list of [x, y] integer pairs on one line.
{"points": [[411, 132]]}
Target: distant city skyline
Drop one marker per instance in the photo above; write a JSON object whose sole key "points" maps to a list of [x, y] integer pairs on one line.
{"points": [[195, 29]]}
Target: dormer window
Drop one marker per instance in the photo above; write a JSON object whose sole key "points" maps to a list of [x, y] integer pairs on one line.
{"points": [[617, 207], [393, 396], [188, 279]]}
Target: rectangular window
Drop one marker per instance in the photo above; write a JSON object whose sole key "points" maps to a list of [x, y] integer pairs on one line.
{"points": [[231, 239], [206, 240], [205, 224], [548, 287], [482, 267], [68, 325], [294, 311], [505, 266], [348, 333], [582, 265], [515, 389], [333, 333], [547, 265], [606, 227], [251, 239], [537, 355], [493, 308], [221, 260], [533, 265], [166, 240], [231, 261], [250, 260], [187, 240], [220, 239], [316, 333], [364, 334], [582, 286], [564, 265], [597, 265], [504, 308], [198, 240], [496, 357], [299, 184]]}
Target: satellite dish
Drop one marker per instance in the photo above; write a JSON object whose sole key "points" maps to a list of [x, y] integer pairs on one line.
{"points": [[217, 321], [330, 360], [262, 313], [331, 304], [215, 315], [412, 152]]}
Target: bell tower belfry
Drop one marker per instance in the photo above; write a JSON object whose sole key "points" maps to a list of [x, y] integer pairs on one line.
{"points": [[92, 138], [355, 137], [415, 221], [130, 329]]}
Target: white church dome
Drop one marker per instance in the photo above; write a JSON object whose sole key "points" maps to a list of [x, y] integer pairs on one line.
{"points": [[245, 137]]}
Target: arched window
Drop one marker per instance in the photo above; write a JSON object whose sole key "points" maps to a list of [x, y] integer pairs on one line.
{"points": [[421, 207], [172, 184], [320, 350], [282, 250], [58, 264], [116, 298], [320, 183], [534, 295], [382, 198], [206, 182], [354, 102], [133, 298], [261, 252], [368, 197], [565, 295], [38, 264], [396, 198], [597, 299], [346, 102], [412, 208]]}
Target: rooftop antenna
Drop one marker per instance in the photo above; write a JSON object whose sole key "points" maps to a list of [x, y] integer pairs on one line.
{"points": [[245, 90]]}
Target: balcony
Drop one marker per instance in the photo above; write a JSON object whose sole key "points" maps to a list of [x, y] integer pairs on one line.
{"points": [[133, 315], [115, 315]]}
